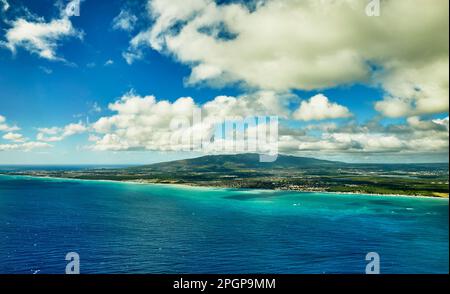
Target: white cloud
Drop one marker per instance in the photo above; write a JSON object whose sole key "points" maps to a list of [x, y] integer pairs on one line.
{"points": [[4, 127], [125, 21], [145, 123], [15, 137], [419, 124], [283, 45], [109, 62], [5, 5], [40, 37], [20, 143], [73, 129], [259, 103], [28, 146], [131, 57], [416, 137], [95, 108], [319, 108], [443, 122], [56, 134], [415, 91], [368, 142], [140, 122]]}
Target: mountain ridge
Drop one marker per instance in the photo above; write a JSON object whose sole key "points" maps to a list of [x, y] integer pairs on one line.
{"points": [[251, 160], [286, 173]]}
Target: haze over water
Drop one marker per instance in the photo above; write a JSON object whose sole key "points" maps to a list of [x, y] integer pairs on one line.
{"points": [[131, 228]]}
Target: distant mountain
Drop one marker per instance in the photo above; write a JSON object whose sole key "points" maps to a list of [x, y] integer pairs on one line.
{"points": [[234, 162], [250, 161], [286, 173]]}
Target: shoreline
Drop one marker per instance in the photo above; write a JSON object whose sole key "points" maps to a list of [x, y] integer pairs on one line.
{"points": [[191, 186]]}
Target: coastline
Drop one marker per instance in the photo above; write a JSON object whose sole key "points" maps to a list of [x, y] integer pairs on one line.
{"points": [[193, 186]]}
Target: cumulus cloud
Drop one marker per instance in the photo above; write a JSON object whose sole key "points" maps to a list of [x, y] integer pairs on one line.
{"points": [[430, 125], [28, 146], [140, 122], [146, 123], [418, 136], [319, 108], [418, 90], [40, 37], [15, 137], [4, 127], [282, 45], [56, 134], [125, 21], [20, 143]]}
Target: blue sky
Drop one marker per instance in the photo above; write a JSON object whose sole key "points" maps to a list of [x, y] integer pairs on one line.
{"points": [[89, 71]]}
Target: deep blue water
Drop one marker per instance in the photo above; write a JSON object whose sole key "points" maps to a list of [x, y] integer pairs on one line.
{"points": [[130, 228]]}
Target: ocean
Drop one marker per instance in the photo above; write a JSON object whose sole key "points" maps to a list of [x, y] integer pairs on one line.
{"points": [[134, 228]]}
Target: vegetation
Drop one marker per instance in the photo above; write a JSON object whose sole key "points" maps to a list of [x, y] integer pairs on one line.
{"points": [[286, 173]]}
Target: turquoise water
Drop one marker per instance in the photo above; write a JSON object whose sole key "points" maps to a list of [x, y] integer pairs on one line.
{"points": [[131, 228]]}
